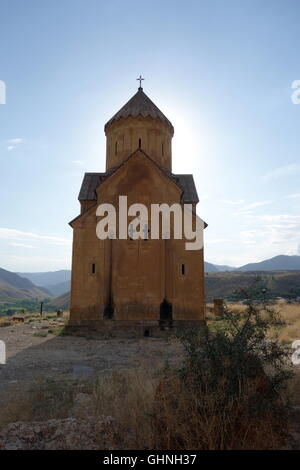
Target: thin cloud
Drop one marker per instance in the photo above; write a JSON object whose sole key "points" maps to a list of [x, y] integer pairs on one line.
{"points": [[13, 234], [232, 203], [36, 263], [17, 140], [12, 144], [280, 230], [293, 196], [252, 206], [22, 245]]}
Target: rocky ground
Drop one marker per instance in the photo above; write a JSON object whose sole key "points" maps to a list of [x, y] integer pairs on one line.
{"points": [[59, 434]]}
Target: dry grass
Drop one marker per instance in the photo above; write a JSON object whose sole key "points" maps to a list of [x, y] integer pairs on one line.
{"points": [[43, 401], [159, 411], [185, 419], [128, 397], [5, 321], [293, 389], [36, 317], [290, 314], [152, 408]]}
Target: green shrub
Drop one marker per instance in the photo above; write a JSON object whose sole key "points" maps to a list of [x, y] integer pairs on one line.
{"points": [[228, 392]]}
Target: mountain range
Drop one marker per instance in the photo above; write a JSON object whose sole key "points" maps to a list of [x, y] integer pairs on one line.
{"points": [[277, 263], [13, 286], [41, 285], [56, 282]]}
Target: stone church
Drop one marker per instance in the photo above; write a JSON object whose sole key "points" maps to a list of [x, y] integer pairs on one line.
{"points": [[144, 284]]}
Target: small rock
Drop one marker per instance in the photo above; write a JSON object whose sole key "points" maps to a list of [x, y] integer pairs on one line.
{"points": [[60, 434]]}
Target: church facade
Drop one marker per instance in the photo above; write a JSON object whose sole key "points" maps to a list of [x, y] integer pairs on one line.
{"points": [[144, 283]]}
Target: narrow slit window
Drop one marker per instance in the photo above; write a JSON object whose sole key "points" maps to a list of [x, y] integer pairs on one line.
{"points": [[116, 148], [93, 268], [140, 143], [162, 149], [183, 269]]}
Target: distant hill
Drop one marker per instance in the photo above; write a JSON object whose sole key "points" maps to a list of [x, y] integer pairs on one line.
{"points": [[215, 268], [15, 280], [279, 283], [61, 302], [60, 288], [210, 268], [13, 286], [48, 278], [224, 267], [278, 263]]}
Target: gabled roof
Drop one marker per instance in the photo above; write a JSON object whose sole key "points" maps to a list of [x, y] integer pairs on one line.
{"points": [[187, 184], [139, 105], [91, 181]]}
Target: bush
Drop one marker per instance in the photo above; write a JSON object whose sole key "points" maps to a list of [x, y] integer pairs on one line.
{"points": [[228, 393]]}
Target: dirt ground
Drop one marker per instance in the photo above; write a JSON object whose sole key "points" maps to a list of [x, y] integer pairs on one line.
{"points": [[31, 356]]}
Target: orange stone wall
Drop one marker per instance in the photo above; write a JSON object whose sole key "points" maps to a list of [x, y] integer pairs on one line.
{"points": [[134, 276], [127, 135]]}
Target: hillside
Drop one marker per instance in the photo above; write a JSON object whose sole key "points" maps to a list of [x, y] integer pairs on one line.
{"points": [[281, 263], [8, 292], [48, 278], [279, 283], [210, 268], [61, 302], [60, 288], [13, 286], [215, 268], [15, 280]]}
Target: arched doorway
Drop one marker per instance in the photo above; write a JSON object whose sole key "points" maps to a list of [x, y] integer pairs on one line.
{"points": [[165, 313], [108, 313]]}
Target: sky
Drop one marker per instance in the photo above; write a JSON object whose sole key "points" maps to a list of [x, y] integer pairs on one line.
{"points": [[222, 72]]}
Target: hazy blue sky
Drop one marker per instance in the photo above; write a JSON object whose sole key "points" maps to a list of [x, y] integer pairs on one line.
{"points": [[220, 71]]}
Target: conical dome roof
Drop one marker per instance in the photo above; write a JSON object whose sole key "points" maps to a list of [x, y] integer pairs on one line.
{"points": [[139, 105]]}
